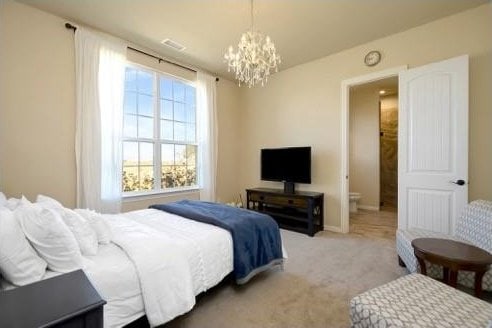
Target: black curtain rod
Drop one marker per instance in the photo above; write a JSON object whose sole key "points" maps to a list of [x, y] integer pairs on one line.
{"points": [[74, 28]]}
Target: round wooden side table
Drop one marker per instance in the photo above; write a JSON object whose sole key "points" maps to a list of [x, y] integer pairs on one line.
{"points": [[453, 256]]}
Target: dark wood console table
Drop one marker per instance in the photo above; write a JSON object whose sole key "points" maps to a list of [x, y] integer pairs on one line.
{"points": [[301, 211], [67, 300], [453, 256]]}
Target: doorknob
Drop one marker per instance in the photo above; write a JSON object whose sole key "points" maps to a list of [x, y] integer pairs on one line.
{"points": [[459, 182]]}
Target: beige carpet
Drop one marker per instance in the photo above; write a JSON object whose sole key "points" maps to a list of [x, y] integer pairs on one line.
{"points": [[320, 277]]}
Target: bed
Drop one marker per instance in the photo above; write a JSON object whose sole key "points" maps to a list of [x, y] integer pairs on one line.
{"points": [[125, 270], [208, 249]]}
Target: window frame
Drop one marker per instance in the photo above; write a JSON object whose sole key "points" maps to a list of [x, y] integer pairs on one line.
{"points": [[156, 139]]}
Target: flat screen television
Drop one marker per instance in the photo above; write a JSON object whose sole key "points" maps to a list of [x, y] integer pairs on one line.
{"points": [[289, 165]]}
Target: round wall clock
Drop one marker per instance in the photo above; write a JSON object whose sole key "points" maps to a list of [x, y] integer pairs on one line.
{"points": [[372, 58]]}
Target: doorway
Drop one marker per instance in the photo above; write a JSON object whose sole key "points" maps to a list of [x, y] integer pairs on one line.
{"points": [[345, 138], [373, 155]]}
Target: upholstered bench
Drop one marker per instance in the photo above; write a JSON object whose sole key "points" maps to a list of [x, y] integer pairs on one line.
{"points": [[418, 301], [473, 227]]}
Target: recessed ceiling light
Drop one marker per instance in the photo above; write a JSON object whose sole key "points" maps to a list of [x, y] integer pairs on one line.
{"points": [[173, 44], [382, 92]]}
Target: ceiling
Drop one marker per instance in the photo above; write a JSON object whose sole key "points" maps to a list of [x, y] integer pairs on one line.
{"points": [[302, 30]]}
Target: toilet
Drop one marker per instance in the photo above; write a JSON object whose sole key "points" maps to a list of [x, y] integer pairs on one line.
{"points": [[354, 198]]}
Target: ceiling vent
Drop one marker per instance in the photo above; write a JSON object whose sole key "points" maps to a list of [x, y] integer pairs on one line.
{"points": [[173, 44]]}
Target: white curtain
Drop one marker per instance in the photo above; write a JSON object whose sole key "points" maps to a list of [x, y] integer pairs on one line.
{"points": [[100, 73], [207, 135]]}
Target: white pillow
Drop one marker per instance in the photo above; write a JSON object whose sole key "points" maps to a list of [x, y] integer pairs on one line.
{"points": [[98, 223], [3, 199], [84, 234], [13, 203], [48, 201], [51, 237], [19, 263]]}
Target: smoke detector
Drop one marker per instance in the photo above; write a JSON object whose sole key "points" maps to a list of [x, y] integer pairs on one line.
{"points": [[173, 44]]}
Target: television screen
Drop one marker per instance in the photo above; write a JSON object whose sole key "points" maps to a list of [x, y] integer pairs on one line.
{"points": [[291, 164]]}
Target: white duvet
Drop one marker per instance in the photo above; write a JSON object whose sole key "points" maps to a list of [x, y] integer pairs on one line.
{"points": [[175, 259], [156, 265]]}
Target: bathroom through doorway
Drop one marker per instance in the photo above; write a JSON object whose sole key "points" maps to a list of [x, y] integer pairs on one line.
{"points": [[373, 156]]}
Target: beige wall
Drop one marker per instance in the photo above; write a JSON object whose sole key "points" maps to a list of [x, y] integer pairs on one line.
{"points": [[37, 104], [37, 111], [301, 105], [229, 165], [364, 144]]}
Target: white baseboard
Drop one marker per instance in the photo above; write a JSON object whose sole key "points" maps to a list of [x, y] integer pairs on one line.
{"points": [[368, 207], [333, 229]]}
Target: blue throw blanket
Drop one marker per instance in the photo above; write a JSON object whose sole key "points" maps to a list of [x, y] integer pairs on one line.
{"points": [[256, 236]]}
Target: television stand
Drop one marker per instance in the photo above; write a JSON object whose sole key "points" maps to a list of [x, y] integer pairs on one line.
{"points": [[289, 187], [301, 211]]}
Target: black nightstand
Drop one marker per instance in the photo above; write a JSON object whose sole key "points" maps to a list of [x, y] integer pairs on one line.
{"points": [[68, 300]]}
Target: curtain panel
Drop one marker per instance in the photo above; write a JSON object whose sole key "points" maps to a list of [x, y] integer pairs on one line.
{"points": [[207, 135], [100, 72]]}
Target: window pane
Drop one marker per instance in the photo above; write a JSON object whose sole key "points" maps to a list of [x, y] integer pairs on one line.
{"points": [[130, 153], [130, 178], [166, 88], [190, 155], [178, 91], [191, 175], [190, 95], [130, 102], [190, 133], [167, 177], [179, 112], [179, 131], [130, 79], [180, 154], [167, 130], [191, 165], [145, 105], [167, 109], [190, 113], [180, 176], [167, 154], [145, 127], [146, 153], [145, 82], [146, 177], [130, 126]]}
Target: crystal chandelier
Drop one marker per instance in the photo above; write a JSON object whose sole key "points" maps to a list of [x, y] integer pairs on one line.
{"points": [[255, 57]]}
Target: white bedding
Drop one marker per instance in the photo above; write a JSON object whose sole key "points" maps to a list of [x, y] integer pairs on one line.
{"points": [[114, 276], [207, 249]]}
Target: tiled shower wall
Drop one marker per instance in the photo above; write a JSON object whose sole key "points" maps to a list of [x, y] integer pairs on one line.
{"points": [[389, 151]]}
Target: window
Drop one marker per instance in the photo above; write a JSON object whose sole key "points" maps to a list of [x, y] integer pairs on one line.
{"points": [[159, 132]]}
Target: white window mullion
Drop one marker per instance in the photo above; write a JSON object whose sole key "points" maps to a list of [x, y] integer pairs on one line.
{"points": [[157, 134]]}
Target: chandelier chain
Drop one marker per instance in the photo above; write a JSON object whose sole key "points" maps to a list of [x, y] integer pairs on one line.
{"points": [[252, 17]]}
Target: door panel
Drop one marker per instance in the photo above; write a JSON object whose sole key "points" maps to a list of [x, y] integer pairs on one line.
{"points": [[430, 209], [433, 145]]}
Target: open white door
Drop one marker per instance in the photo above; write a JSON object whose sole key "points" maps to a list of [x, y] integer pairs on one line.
{"points": [[433, 145]]}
